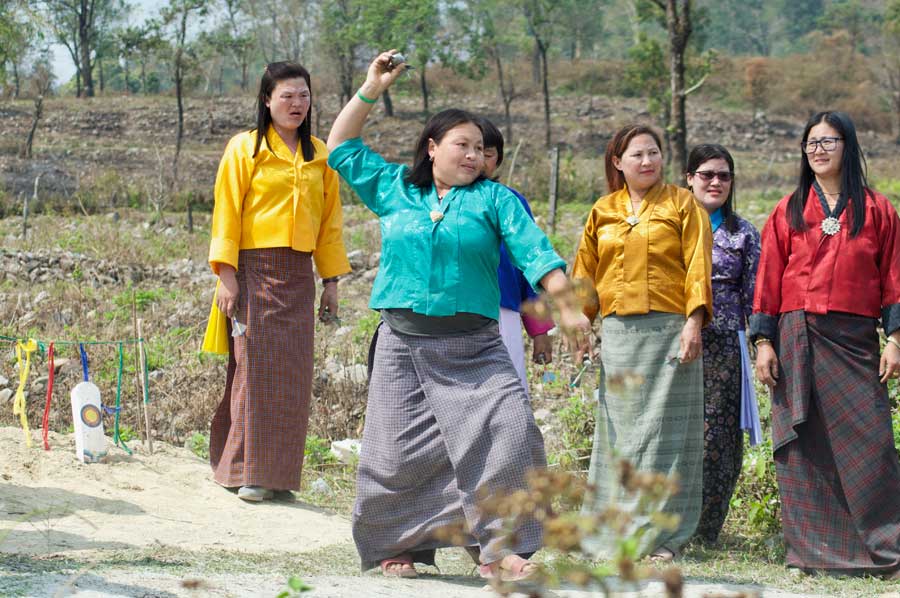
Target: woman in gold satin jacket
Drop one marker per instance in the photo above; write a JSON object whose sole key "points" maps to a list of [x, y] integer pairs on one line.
{"points": [[647, 250], [277, 210]]}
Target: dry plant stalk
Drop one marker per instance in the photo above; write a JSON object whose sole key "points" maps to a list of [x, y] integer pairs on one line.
{"points": [[552, 498]]}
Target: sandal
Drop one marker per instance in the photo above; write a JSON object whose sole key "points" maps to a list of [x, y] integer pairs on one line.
{"points": [[510, 568], [663, 554], [398, 566]]}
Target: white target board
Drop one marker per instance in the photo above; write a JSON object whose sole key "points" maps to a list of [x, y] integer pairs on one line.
{"points": [[87, 413]]}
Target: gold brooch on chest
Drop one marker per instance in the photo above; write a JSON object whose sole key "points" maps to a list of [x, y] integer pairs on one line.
{"points": [[632, 220], [436, 216]]}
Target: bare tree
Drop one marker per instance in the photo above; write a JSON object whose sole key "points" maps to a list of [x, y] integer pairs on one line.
{"points": [[177, 15], [78, 25], [41, 81], [678, 25]]}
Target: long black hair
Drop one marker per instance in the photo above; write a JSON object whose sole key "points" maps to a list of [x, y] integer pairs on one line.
{"points": [[854, 187], [275, 72], [714, 151], [437, 126], [492, 138]]}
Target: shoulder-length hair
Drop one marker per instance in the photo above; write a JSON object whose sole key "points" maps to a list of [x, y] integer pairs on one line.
{"points": [[615, 180], [854, 187], [437, 126], [713, 151], [275, 72]]}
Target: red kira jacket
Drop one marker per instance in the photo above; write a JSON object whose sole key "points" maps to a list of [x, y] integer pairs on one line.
{"points": [[819, 273]]}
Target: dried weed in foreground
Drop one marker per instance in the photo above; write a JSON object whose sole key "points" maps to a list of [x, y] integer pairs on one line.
{"points": [[552, 498]]}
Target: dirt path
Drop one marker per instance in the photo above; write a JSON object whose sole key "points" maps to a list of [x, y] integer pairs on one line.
{"points": [[158, 526]]}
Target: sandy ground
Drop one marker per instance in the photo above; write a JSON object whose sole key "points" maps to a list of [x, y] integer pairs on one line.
{"points": [[53, 508]]}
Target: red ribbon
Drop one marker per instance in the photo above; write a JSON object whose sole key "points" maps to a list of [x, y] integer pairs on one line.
{"points": [[46, 421]]}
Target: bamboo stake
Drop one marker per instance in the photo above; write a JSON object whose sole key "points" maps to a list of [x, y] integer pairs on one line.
{"points": [[145, 398]]}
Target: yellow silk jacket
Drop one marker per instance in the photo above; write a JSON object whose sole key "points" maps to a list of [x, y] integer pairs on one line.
{"points": [[661, 263], [277, 200]]}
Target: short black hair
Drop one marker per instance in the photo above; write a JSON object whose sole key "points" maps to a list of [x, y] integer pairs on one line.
{"points": [[492, 138], [713, 151], [437, 126]]}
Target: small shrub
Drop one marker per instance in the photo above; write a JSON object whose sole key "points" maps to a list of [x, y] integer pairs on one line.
{"points": [[295, 587], [577, 433], [317, 452], [756, 499], [199, 444]]}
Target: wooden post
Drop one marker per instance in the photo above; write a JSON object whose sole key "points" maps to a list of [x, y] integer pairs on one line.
{"points": [[25, 218], [554, 185], [145, 400], [512, 164], [190, 216]]}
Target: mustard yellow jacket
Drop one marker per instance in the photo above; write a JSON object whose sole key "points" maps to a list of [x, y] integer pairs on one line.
{"points": [[663, 262], [276, 199]]}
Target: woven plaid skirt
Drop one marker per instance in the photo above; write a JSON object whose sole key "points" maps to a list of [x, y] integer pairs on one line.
{"points": [[650, 412], [446, 417], [258, 432], [838, 471]]}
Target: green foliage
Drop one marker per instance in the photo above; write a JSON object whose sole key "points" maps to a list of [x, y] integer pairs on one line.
{"points": [[317, 452], [756, 500], [295, 587], [126, 433], [199, 444], [365, 327], [577, 434]]}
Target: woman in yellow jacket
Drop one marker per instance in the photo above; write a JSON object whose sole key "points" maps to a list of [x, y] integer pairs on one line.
{"points": [[276, 210], [647, 249]]}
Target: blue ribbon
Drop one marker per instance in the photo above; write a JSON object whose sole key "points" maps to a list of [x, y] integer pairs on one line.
{"points": [[84, 361]]}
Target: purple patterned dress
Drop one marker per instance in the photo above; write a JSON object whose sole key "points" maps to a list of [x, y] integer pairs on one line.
{"points": [[735, 258]]}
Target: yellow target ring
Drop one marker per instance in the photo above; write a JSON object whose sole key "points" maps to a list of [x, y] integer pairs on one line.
{"points": [[90, 415]]}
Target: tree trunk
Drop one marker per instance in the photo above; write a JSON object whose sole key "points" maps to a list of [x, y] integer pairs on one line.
{"points": [[536, 63], [423, 83], [127, 79], [507, 95], [38, 112], [678, 23], [143, 76], [388, 104], [84, 34], [244, 73], [545, 87], [345, 65], [100, 72], [17, 88]]}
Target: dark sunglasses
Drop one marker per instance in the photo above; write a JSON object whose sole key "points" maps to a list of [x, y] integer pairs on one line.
{"points": [[707, 175]]}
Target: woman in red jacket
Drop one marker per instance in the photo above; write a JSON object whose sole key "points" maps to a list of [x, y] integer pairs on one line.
{"points": [[830, 267]]}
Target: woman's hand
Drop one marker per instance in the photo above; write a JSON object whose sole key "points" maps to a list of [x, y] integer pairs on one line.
{"points": [[890, 362], [543, 349], [766, 364], [380, 75], [328, 303], [691, 342], [229, 291]]}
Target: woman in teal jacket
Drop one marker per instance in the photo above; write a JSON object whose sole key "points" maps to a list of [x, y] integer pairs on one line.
{"points": [[446, 414]]}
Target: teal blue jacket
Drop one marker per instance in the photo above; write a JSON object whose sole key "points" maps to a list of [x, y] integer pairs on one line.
{"points": [[449, 266]]}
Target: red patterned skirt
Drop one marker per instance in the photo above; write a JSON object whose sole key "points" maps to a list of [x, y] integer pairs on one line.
{"points": [[838, 471], [258, 432]]}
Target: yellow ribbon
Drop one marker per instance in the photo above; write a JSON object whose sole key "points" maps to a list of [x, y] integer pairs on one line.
{"points": [[29, 347]]}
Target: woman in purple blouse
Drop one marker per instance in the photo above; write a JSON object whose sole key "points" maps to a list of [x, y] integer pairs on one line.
{"points": [[730, 404]]}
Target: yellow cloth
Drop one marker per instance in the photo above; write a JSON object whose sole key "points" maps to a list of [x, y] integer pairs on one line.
{"points": [[19, 407], [215, 340], [277, 200], [663, 263]]}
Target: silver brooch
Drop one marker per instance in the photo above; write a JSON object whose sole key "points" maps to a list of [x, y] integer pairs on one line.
{"points": [[831, 226], [632, 220]]}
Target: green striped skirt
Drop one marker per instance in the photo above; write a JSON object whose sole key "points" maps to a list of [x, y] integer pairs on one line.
{"points": [[650, 412]]}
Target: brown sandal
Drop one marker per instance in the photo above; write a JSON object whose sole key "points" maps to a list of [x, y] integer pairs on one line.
{"points": [[664, 554], [394, 566]]}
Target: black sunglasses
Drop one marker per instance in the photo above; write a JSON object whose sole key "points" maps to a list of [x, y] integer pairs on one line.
{"points": [[707, 175]]}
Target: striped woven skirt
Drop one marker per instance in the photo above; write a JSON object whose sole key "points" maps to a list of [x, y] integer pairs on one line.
{"points": [[258, 432], [446, 417], [838, 471], [650, 413]]}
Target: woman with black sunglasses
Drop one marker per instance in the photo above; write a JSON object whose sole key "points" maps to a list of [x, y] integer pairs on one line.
{"points": [[727, 378], [829, 269]]}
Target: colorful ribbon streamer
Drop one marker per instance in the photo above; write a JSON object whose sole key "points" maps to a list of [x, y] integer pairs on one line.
{"points": [[45, 423], [29, 347], [117, 438]]}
